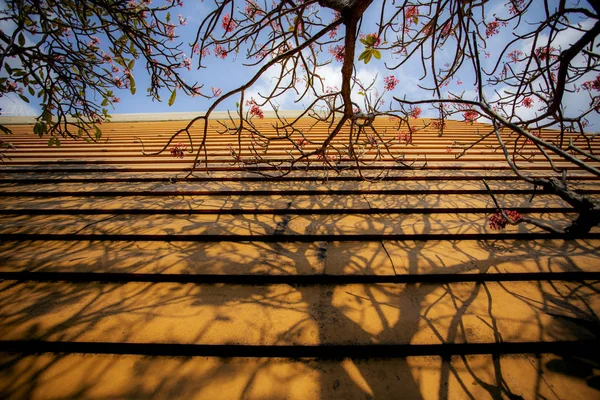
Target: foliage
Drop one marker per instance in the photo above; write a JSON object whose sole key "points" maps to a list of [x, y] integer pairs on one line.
{"points": [[76, 55]]}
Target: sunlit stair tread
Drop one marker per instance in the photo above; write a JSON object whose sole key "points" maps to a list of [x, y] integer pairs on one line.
{"points": [[360, 314], [374, 258], [128, 376]]}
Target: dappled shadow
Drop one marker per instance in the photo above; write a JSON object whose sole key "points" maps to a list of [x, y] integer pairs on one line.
{"points": [[287, 314]]}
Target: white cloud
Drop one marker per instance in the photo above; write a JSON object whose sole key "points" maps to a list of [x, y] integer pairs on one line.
{"points": [[12, 105]]}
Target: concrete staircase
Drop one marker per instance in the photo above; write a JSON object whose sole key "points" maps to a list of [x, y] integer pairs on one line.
{"points": [[120, 279]]}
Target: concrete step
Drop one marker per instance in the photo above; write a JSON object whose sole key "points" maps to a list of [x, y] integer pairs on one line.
{"points": [[282, 203], [309, 227], [300, 262], [311, 315], [93, 376]]}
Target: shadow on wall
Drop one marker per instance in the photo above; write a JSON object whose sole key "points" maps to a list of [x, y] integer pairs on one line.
{"points": [[290, 314]]}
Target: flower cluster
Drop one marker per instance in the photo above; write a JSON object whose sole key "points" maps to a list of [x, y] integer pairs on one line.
{"points": [[411, 12], [255, 110], [337, 52], [415, 112], [544, 53], [438, 124], [515, 55], [372, 140], [470, 116], [493, 28], [403, 137], [515, 6], [178, 150], [220, 51], [390, 82], [528, 102], [301, 143], [251, 9], [228, 24], [536, 134], [592, 85], [498, 222]]}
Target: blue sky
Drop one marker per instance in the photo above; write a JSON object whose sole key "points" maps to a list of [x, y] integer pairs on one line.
{"points": [[229, 73]]}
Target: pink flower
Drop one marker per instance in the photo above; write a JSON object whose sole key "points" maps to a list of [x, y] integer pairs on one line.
{"points": [[337, 52], [93, 44], [178, 150], [438, 124], [118, 82], [182, 21], [516, 6], [301, 142], [515, 55], [528, 102], [592, 85], [448, 149], [220, 51], [470, 116], [411, 12], [228, 24], [415, 112], [545, 52], [498, 222], [216, 91], [390, 82], [116, 100], [170, 31], [252, 9], [492, 29], [255, 110], [187, 63]]}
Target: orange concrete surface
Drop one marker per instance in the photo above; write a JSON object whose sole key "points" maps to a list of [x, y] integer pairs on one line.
{"points": [[121, 279]]}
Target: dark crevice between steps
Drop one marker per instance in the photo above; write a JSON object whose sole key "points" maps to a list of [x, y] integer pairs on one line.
{"points": [[291, 238], [278, 192], [295, 280], [170, 179], [287, 212], [590, 347]]}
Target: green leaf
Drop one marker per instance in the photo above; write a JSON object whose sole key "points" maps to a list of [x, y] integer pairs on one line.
{"points": [[416, 20], [51, 141], [237, 104], [361, 93], [98, 133], [104, 102], [131, 84], [172, 98], [131, 64], [377, 54], [21, 39], [25, 99], [168, 16], [363, 55], [368, 57], [39, 128], [31, 91], [363, 41], [47, 116]]}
